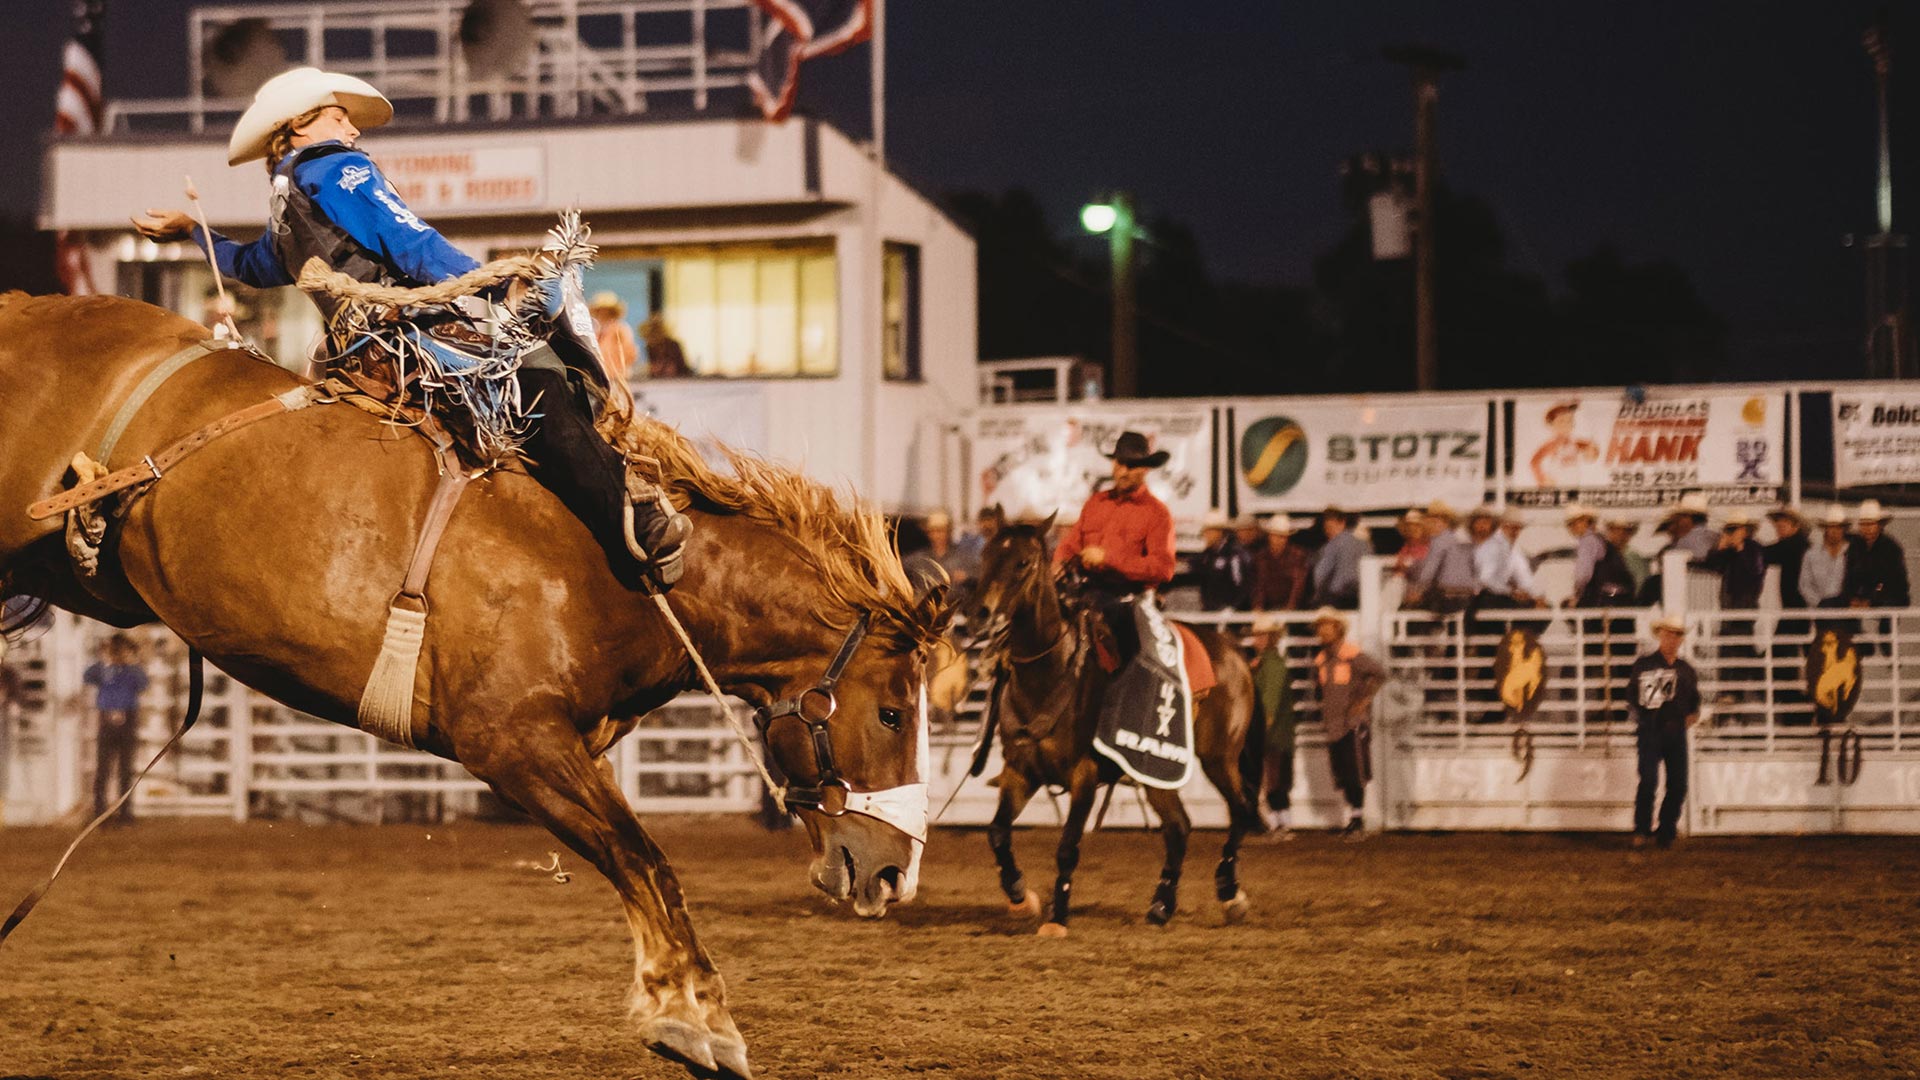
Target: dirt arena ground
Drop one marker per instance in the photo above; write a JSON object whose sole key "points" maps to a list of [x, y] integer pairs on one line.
{"points": [[200, 949]]}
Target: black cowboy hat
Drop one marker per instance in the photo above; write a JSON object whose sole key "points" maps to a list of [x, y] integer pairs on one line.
{"points": [[1130, 449]]}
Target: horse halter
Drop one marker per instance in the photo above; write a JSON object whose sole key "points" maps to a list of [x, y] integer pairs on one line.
{"points": [[903, 807]]}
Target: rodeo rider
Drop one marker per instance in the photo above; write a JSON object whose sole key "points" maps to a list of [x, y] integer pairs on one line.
{"points": [[331, 201]]}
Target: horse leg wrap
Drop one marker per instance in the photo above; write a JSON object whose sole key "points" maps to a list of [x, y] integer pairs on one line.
{"points": [[1166, 900], [1226, 879], [1063, 885]]}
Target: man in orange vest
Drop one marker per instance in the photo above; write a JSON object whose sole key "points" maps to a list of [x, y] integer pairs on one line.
{"points": [[1347, 679]]}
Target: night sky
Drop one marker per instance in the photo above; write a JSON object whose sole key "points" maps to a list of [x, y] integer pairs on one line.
{"points": [[1735, 139]]}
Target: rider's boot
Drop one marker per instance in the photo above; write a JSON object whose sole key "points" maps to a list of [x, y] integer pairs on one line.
{"points": [[656, 533]]}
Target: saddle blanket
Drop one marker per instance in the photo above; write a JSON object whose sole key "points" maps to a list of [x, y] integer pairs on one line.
{"points": [[1146, 720]]}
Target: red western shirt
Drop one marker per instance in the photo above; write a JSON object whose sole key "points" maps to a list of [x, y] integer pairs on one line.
{"points": [[1134, 529]]}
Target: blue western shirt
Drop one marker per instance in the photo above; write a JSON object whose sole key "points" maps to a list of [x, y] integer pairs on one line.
{"points": [[118, 686], [352, 192]]}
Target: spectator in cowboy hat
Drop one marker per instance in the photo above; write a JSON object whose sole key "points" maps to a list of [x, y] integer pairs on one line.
{"points": [[1823, 570], [1347, 680], [1248, 530], [1684, 526], [1282, 569], [1877, 575], [618, 349], [961, 561], [1666, 702], [1504, 575], [1738, 560], [1444, 580], [1336, 569], [1620, 533], [1600, 574], [1223, 569], [1413, 542], [1273, 690], [1787, 552]]}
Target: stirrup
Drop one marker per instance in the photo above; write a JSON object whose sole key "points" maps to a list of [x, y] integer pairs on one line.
{"points": [[670, 544]]}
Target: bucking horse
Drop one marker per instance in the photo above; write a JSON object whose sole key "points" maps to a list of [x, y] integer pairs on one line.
{"points": [[1046, 706], [276, 548]]}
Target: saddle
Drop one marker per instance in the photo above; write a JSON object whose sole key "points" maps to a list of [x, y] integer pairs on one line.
{"points": [[1146, 715]]}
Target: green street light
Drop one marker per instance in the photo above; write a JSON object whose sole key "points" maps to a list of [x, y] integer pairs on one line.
{"points": [[1098, 217]]}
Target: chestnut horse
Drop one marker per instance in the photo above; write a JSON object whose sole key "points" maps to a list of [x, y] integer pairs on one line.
{"points": [[1047, 705], [276, 549]]}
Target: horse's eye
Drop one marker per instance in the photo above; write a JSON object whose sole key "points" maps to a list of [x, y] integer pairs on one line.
{"points": [[1026, 562], [893, 718]]}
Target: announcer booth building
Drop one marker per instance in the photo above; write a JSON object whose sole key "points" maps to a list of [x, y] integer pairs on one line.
{"points": [[825, 309]]}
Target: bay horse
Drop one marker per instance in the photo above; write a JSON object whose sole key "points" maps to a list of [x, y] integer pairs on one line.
{"points": [[275, 550], [1047, 706]]}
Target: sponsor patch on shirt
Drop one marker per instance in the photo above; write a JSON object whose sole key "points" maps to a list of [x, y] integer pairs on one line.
{"points": [[1657, 687], [354, 175], [400, 212]]}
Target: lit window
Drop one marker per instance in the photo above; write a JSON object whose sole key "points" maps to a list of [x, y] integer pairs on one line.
{"points": [[900, 310], [731, 310]]}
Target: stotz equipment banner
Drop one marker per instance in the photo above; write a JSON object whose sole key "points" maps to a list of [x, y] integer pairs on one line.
{"points": [[1647, 449], [1306, 456], [1047, 460], [1876, 438]]}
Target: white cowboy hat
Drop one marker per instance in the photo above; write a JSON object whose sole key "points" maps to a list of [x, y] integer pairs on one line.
{"points": [[1279, 525], [1484, 510], [1669, 622], [939, 520], [1620, 521], [1737, 519], [1575, 511], [1268, 623], [1870, 511], [1835, 515], [1439, 509], [1693, 502], [289, 94], [1787, 510], [607, 301], [1216, 519], [1327, 614]]}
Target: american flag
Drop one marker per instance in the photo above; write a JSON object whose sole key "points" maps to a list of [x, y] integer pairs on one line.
{"points": [[797, 31], [77, 111]]}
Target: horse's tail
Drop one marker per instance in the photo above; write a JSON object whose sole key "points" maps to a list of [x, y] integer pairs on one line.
{"points": [[1253, 758]]}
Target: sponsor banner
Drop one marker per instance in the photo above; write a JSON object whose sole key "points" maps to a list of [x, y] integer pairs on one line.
{"points": [[1876, 438], [1648, 449], [1044, 461], [1306, 457], [484, 178]]}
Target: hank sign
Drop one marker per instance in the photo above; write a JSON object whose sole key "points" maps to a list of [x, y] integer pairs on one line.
{"points": [[1647, 449]]}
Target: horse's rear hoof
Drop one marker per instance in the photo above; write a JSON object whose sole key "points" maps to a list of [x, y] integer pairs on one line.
{"points": [[730, 1059], [1235, 910], [1028, 908], [1051, 929], [679, 1041], [1160, 913]]}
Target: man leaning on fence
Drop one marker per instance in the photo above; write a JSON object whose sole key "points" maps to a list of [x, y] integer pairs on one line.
{"points": [[1877, 574], [1336, 569], [1347, 679], [1443, 582], [1666, 702]]}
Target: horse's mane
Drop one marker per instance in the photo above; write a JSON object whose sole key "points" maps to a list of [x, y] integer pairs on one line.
{"points": [[849, 545]]}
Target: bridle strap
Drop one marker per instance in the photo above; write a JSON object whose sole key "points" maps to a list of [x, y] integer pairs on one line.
{"points": [[821, 736]]}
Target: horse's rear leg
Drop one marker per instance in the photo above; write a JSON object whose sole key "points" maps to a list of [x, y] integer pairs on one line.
{"points": [[1014, 793], [1174, 827], [1082, 785], [1243, 817], [678, 998]]}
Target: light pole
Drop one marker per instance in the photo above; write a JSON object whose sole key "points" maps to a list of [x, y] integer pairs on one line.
{"points": [[1426, 65], [1115, 218]]}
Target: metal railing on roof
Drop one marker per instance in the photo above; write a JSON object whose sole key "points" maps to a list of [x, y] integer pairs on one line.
{"points": [[582, 58]]}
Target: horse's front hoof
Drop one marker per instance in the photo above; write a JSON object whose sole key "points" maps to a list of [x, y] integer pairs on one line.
{"points": [[1028, 908], [730, 1058], [1234, 911], [679, 1041], [1160, 913], [1050, 929]]}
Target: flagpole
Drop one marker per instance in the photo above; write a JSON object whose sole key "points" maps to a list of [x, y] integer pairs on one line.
{"points": [[878, 93]]}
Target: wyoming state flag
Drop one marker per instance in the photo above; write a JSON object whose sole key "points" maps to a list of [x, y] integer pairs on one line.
{"points": [[798, 31]]}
